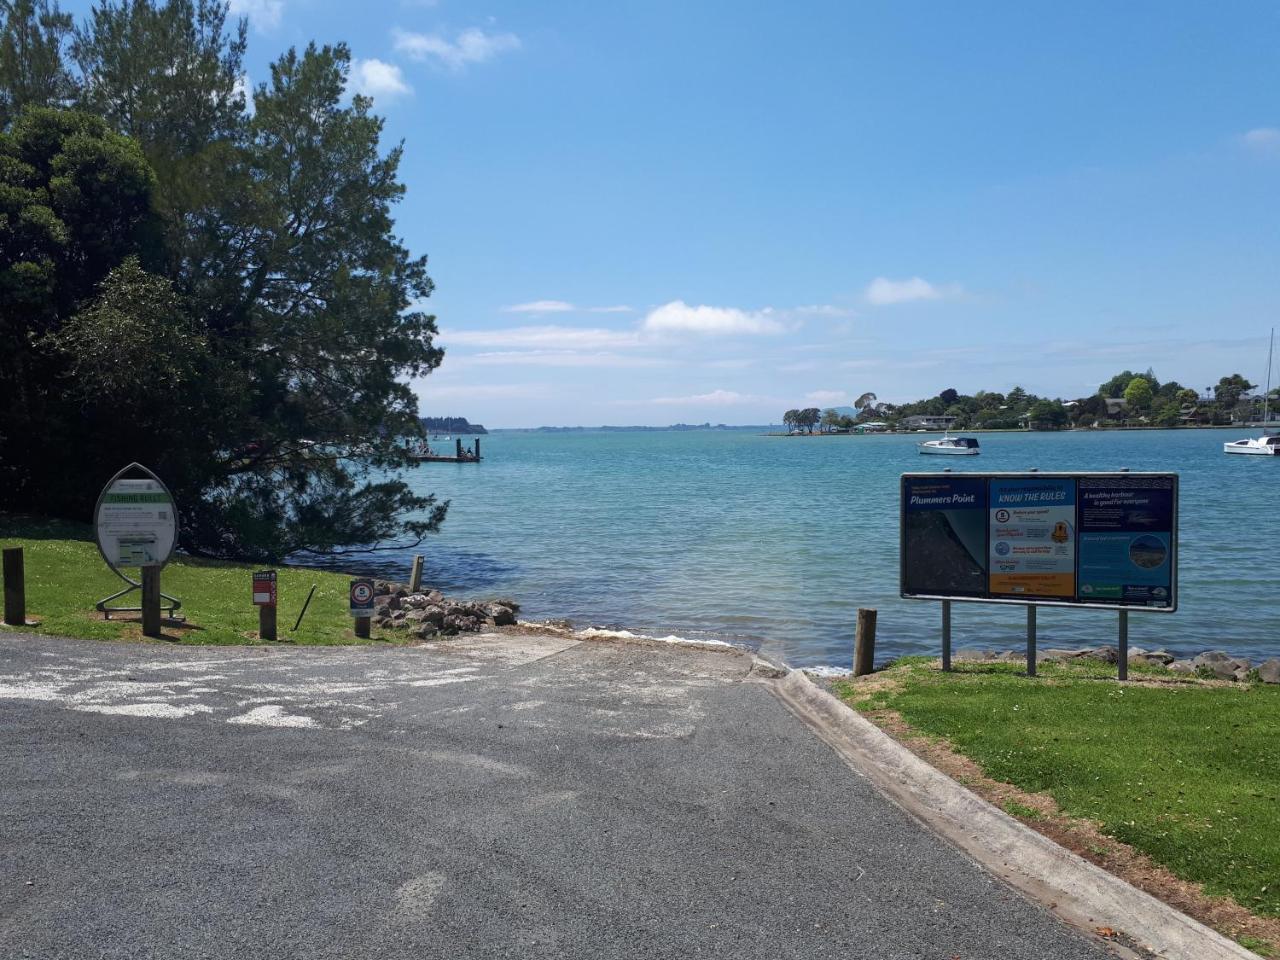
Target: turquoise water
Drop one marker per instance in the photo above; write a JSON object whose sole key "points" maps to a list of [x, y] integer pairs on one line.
{"points": [[774, 542]]}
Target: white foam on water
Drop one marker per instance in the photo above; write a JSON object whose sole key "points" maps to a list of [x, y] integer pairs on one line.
{"points": [[599, 633], [272, 715], [831, 672]]}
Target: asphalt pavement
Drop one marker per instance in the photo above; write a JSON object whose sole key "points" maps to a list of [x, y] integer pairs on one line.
{"points": [[502, 796]]}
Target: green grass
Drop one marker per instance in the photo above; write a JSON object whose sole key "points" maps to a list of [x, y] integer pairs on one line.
{"points": [[1188, 773], [65, 576]]}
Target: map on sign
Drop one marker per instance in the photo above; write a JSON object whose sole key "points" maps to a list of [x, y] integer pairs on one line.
{"points": [[1086, 539], [136, 523]]}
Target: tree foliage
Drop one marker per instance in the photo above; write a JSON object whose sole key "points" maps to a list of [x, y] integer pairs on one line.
{"points": [[217, 294]]}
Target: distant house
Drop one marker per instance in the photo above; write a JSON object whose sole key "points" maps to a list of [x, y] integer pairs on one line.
{"points": [[1117, 406], [921, 422], [875, 426]]}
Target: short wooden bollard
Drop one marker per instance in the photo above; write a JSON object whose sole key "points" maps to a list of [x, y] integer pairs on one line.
{"points": [[15, 588], [415, 575], [864, 644], [151, 601], [267, 623], [362, 627]]}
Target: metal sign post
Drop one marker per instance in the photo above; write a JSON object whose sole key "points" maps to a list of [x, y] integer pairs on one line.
{"points": [[135, 525]]}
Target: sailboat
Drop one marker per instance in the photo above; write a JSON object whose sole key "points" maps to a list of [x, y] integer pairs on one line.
{"points": [[1267, 445]]}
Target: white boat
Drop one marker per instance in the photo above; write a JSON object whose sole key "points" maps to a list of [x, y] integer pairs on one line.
{"points": [[953, 446], [1266, 445]]}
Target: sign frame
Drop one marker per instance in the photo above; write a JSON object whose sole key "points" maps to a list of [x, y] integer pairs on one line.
{"points": [[174, 604], [1075, 475]]}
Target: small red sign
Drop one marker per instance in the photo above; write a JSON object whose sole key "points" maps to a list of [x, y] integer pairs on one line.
{"points": [[264, 588]]}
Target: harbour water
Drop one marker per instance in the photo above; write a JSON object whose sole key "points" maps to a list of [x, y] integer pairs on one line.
{"points": [[774, 542]]}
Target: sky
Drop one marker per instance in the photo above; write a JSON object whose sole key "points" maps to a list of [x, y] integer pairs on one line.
{"points": [[658, 212]]}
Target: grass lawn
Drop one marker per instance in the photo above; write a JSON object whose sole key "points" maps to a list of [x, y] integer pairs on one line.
{"points": [[65, 576], [1185, 771]]}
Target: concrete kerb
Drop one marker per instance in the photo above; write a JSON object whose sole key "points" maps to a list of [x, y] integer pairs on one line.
{"points": [[1075, 890]]}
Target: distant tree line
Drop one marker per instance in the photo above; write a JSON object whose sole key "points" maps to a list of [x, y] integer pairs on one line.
{"points": [[451, 425], [1126, 398], [208, 287]]}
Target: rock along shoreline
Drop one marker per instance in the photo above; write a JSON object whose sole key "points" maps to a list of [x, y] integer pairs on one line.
{"points": [[429, 613], [1211, 664]]}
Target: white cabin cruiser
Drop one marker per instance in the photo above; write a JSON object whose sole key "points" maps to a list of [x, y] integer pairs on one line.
{"points": [[954, 446], [1264, 446]]}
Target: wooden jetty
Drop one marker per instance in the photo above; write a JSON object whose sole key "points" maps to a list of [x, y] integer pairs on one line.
{"points": [[460, 455]]}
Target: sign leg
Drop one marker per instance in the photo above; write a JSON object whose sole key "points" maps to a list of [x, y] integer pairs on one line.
{"points": [[1123, 663], [151, 601], [946, 635], [15, 595], [1031, 640], [362, 627]]}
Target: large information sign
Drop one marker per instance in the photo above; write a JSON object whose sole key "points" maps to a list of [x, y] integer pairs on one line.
{"points": [[1080, 539], [135, 520]]}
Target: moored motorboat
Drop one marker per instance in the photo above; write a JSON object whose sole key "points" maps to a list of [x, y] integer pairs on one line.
{"points": [[1264, 446], [953, 446]]}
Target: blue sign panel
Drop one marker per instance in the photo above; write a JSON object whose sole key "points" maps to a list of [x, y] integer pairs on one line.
{"points": [[1126, 540]]}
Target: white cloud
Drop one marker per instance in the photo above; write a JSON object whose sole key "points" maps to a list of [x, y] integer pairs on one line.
{"points": [[471, 46], [883, 291], [1262, 137], [541, 306], [549, 337], [560, 358], [561, 306], [716, 398], [374, 78], [263, 14], [679, 317], [491, 391], [827, 396], [822, 310]]}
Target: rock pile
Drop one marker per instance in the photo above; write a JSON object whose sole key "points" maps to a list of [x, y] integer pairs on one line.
{"points": [[430, 613], [1213, 664]]}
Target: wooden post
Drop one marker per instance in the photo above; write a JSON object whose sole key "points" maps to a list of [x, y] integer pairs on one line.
{"points": [[864, 644], [946, 635], [1123, 663], [1031, 640], [458, 441], [477, 449], [15, 588], [415, 575], [266, 622], [151, 601], [362, 627]]}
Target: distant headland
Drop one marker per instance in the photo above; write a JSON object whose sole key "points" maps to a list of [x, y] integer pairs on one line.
{"points": [[450, 425], [631, 429]]}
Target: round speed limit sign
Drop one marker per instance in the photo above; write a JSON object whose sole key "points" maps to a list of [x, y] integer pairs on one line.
{"points": [[361, 598]]}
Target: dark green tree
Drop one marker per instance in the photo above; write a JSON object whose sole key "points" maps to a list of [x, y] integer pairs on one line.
{"points": [[33, 70], [1230, 389]]}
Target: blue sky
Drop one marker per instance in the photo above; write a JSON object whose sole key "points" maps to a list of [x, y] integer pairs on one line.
{"points": [[649, 212]]}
